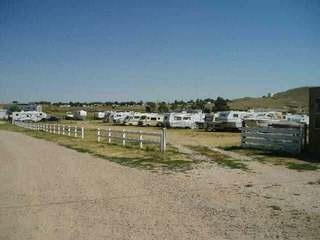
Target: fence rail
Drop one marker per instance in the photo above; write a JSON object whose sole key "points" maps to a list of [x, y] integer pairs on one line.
{"points": [[291, 140], [67, 130], [127, 136]]}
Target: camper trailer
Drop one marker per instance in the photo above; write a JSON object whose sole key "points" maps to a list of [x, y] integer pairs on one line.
{"points": [[262, 119], [198, 116], [108, 117], [119, 117], [229, 120], [209, 121], [69, 116], [132, 120], [3, 114], [151, 119], [179, 120], [99, 115], [28, 116], [297, 118], [80, 115]]}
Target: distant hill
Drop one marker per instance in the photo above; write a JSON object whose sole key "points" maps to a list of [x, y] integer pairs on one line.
{"points": [[293, 100]]}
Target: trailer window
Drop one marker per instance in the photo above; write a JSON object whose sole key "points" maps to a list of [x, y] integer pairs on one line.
{"points": [[186, 118], [235, 115], [177, 118], [153, 119]]}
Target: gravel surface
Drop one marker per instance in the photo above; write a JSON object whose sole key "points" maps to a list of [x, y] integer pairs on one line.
{"points": [[51, 192]]}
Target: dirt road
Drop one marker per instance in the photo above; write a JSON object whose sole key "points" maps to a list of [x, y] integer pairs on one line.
{"points": [[51, 192]]}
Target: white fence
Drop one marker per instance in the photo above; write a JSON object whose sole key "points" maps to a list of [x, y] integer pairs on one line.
{"points": [[291, 140], [134, 136], [71, 131]]}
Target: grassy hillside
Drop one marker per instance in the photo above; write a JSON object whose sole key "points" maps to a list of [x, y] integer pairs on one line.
{"points": [[294, 100]]}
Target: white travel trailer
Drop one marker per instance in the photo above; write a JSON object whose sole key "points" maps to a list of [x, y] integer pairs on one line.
{"points": [[119, 117], [99, 115], [132, 120], [297, 118], [108, 117], [80, 115], [28, 116], [3, 114], [151, 119], [179, 120], [262, 119], [209, 121], [229, 120], [198, 116]]}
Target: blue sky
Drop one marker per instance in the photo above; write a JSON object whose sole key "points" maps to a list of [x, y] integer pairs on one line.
{"points": [[156, 50]]}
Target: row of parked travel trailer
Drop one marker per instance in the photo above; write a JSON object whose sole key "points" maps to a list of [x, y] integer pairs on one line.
{"points": [[235, 120], [226, 120], [177, 120]]}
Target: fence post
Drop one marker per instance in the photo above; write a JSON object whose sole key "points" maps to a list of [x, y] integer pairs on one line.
{"points": [[163, 140], [58, 129], [63, 128], [69, 131], [98, 135], [82, 132], [140, 139], [109, 135], [75, 131], [54, 129], [124, 137]]}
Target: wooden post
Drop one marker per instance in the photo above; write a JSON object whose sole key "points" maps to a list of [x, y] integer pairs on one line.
{"points": [[163, 140], [124, 137], [82, 132], [69, 131], [58, 129], [54, 129], [75, 131], [109, 135], [98, 135], [140, 139], [63, 129]]}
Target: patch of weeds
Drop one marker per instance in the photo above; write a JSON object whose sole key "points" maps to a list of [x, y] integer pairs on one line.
{"points": [[302, 166], [233, 164], [220, 158], [274, 207], [314, 183]]}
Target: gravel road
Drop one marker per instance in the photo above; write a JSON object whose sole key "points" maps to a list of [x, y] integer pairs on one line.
{"points": [[51, 192]]}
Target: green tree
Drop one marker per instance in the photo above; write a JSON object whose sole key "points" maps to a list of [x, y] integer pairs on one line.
{"points": [[151, 107], [163, 107], [220, 104], [14, 108]]}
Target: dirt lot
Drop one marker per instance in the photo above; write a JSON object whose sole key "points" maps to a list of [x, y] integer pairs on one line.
{"points": [[51, 192]]}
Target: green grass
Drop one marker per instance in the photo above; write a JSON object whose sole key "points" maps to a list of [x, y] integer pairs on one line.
{"points": [[302, 166], [220, 158], [149, 158]]}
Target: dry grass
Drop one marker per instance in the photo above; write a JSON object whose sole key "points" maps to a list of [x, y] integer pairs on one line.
{"points": [[301, 162], [148, 158], [220, 158]]}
